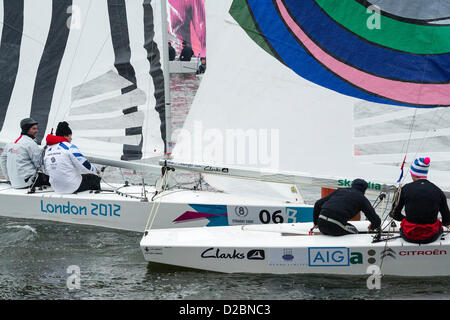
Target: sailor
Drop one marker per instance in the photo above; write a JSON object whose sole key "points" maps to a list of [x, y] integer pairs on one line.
{"points": [[202, 66], [172, 52], [21, 160], [332, 212], [187, 52], [69, 170], [422, 201]]}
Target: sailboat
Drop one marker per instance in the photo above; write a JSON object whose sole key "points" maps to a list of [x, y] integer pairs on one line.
{"points": [[356, 90], [102, 67]]}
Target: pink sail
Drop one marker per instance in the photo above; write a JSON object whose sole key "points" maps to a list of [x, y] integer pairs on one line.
{"points": [[187, 23]]}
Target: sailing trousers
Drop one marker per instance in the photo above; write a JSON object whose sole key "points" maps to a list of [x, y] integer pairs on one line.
{"points": [[334, 228], [41, 180], [89, 182], [429, 240]]}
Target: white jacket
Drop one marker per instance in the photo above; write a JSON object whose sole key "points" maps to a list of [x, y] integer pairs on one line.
{"points": [[20, 161], [65, 164]]}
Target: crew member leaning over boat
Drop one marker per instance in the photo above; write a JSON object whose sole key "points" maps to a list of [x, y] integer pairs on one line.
{"points": [[422, 201], [332, 212], [68, 169]]}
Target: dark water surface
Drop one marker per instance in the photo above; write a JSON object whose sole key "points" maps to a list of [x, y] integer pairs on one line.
{"points": [[35, 256]]}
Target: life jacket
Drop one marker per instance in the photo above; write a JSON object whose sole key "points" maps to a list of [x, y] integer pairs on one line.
{"points": [[420, 232]]}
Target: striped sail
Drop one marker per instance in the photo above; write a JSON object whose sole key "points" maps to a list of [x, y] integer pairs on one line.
{"points": [[95, 64]]}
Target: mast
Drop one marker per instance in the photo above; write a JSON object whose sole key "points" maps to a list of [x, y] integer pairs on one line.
{"points": [[165, 62]]}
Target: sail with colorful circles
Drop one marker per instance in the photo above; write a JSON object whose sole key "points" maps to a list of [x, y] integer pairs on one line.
{"points": [[350, 87]]}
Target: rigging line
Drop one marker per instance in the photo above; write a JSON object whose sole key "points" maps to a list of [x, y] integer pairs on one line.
{"points": [[5, 189], [417, 100], [157, 203], [154, 203], [70, 68], [87, 74], [426, 137], [23, 34]]}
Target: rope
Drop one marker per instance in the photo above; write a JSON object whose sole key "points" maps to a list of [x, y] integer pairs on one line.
{"points": [[433, 40], [156, 204]]}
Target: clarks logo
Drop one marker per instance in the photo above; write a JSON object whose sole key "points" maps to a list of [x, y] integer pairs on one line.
{"points": [[215, 169], [216, 253], [257, 254]]}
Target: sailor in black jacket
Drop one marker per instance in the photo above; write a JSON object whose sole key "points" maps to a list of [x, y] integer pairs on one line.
{"points": [[422, 201], [332, 212], [187, 52]]}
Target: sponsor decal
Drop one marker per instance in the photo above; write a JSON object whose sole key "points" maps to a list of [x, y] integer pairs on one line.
{"points": [[241, 211], [239, 215], [287, 255], [435, 252], [151, 251], [94, 209], [216, 214], [348, 183], [215, 169], [388, 252], [218, 254], [256, 255], [333, 257], [228, 254]]}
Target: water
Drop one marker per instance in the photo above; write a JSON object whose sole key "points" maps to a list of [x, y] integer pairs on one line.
{"points": [[35, 256]]}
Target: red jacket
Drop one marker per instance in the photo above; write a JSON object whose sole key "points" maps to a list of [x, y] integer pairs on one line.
{"points": [[51, 139]]}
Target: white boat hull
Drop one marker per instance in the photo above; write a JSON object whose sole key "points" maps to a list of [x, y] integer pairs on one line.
{"points": [[175, 209], [183, 66], [290, 250]]}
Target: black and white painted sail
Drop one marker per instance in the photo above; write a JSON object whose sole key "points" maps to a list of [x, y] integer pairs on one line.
{"points": [[96, 64]]}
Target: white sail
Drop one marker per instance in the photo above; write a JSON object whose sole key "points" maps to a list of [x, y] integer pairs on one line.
{"points": [[95, 64], [318, 129]]}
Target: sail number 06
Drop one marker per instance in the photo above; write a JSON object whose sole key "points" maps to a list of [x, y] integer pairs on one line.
{"points": [[265, 217]]}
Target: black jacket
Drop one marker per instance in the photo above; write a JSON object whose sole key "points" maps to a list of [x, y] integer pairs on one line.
{"points": [[172, 53], [422, 201], [201, 69], [344, 204], [186, 54]]}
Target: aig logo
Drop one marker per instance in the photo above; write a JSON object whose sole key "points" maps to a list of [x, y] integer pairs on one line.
{"points": [[328, 257]]}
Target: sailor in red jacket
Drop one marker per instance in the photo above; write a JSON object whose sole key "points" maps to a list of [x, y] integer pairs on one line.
{"points": [[422, 201]]}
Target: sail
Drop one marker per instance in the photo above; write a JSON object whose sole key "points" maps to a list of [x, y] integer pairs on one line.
{"points": [[337, 89], [186, 22], [95, 64]]}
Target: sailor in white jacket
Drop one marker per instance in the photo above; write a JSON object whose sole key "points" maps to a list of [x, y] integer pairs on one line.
{"points": [[68, 169], [21, 160]]}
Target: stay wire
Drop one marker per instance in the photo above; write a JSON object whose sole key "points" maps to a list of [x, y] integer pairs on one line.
{"points": [[156, 204]]}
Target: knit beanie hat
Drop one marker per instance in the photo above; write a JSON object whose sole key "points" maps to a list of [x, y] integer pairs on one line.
{"points": [[63, 129], [420, 167], [26, 124], [360, 184]]}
